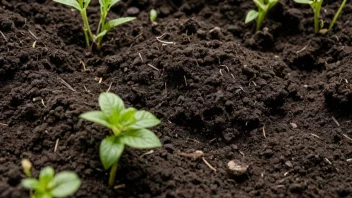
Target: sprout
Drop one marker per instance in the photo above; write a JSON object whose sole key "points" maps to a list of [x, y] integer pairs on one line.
{"points": [[103, 27], [263, 7], [50, 185], [128, 126], [153, 15]]}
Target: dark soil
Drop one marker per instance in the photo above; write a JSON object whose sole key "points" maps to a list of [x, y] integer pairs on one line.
{"points": [[267, 99]]}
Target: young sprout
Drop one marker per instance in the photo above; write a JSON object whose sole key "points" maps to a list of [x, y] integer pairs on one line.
{"points": [[316, 6], [27, 166], [50, 185], [263, 7], [153, 15], [128, 126], [103, 27]]}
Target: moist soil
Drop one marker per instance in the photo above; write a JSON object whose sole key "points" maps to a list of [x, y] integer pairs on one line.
{"points": [[279, 100]]}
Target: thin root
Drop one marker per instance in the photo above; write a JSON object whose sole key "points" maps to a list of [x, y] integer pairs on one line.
{"points": [[56, 145], [147, 153], [153, 67], [209, 165]]}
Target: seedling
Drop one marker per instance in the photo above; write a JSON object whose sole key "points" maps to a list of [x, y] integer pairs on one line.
{"points": [[103, 27], [128, 126], [263, 8], [316, 6], [50, 185], [153, 15]]}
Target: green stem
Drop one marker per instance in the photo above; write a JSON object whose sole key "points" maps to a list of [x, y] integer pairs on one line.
{"points": [[86, 28], [260, 20], [316, 16], [112, 174], [337, 14]]}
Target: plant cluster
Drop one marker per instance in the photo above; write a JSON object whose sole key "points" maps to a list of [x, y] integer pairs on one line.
{"points": [[103, 27], [265, 5], [128, 126], [50, 185]]}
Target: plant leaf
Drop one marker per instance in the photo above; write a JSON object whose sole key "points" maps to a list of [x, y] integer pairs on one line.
{"points": [[30, 183], [110, 151], [64, 184], [144, 119], [96, 117], [110, 103], [127, 116], [101, 34], [46, 175], [251, 15], [140, 139], [113, 2], [303, 1], [86, 3], [116, 22], [72, 3]]}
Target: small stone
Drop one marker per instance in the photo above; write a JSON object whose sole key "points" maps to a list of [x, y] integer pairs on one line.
{"points": [[289, 164], [237, 168], [133, 11], [169, 147], [293, 125]]}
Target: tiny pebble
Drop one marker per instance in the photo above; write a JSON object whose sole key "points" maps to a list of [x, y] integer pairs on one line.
{"points": [[237, 168]]}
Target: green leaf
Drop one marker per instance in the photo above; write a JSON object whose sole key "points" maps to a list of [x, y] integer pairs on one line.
{"points": [[260, 5], [110, 103], [96, 117], [127, 116], [153, 15], [101, 34], [303, 1], [46, 175], [116, 22], [251, 15], [140, 139], [110, 151], [113, 2], [86, 3], [64, 184], [30, 183], [72, 3], [144, 119]]}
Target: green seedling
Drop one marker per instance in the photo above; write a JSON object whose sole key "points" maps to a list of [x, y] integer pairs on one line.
{"points": [[128, 126], [153, 15], [263, 8], [50, 185], [316, 6], [103, 27]]}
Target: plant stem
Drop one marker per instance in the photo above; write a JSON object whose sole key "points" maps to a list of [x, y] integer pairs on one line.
{"points": [[260, 20], [112, 174], [337, 14], [86, 28], [317, 15]]}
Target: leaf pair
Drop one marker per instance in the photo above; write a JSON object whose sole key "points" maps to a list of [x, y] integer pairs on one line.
{"points": [[112, 147], [127, 124], [50, 185]]}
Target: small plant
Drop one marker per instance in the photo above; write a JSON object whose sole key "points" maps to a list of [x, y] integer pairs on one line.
{"points": [[316, 6], [103, 27], [128, 126], [153, 15], [263, 8], [50, 185]]}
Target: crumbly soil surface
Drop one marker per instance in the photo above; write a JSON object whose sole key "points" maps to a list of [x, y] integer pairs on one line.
{"points": [[279, 100]]}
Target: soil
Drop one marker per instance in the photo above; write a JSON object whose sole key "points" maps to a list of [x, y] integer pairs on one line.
{"points": [[279, 100]]}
